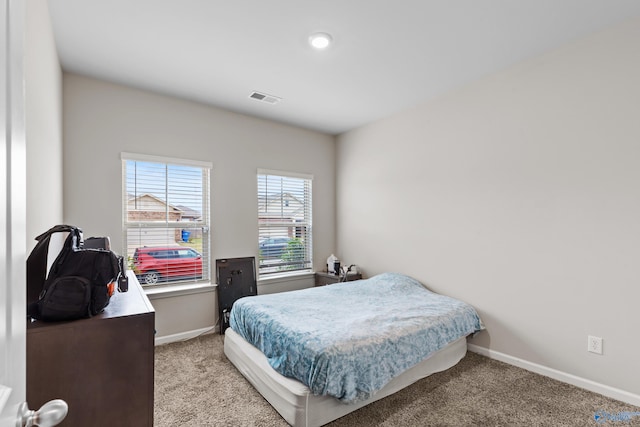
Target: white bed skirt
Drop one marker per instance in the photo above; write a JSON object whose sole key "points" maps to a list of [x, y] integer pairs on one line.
{"points": [[301, 408]]}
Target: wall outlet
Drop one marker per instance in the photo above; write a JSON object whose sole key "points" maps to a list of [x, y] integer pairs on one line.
{"points": [[594, 344]]}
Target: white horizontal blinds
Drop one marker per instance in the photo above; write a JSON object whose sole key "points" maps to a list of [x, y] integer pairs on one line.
{"points": [[166, 219], [284, 222]]}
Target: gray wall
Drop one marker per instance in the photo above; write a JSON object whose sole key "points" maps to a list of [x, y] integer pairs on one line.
{"points": [[43, 123], [520, 194], [101, 120]]}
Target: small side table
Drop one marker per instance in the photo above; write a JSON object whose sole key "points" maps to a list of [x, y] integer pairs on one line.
{"points": [[324, 278]]}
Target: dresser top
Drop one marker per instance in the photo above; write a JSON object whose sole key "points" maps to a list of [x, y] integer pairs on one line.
{"points": [[122, 304]]}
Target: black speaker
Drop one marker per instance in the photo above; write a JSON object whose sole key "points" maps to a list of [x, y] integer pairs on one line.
{"points": [[236, 278]]}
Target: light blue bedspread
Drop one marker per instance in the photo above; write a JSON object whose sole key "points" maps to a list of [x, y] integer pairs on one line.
{"points": [[348, 340]]}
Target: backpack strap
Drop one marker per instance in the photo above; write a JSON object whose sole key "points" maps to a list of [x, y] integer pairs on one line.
{"points": [[61, 228]]}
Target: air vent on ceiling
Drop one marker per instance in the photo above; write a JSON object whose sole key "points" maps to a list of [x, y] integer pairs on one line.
{"points": [[269, 99]]}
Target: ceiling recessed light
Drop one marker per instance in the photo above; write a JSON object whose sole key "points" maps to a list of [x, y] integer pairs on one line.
{"points": [[320, 41]]}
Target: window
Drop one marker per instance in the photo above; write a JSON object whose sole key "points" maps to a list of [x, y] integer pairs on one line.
{"points": [[284, 222], [166, 219]]}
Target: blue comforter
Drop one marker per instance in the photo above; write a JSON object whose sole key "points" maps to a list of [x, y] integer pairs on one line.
{"points": [[349, 339]]}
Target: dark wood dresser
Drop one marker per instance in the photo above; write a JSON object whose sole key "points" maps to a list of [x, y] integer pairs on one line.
{"points": [[102, 366]]}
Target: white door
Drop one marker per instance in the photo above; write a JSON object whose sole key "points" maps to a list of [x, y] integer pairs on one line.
{"points": [[12, 213]]}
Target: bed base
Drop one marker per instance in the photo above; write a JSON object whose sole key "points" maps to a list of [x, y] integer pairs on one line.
{"points": [[301, 408]]}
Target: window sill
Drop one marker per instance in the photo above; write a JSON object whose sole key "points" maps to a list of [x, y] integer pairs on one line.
{"points": [[171, 291], [179, 290], [285, 277]]}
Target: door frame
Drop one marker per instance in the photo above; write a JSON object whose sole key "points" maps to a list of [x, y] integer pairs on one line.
{"points": [[13, 211]]}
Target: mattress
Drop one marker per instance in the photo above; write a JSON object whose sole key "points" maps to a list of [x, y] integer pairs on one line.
{"points": [[301, 408], [350, 339]]}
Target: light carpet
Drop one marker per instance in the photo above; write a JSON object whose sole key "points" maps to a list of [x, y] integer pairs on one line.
{"points": [[195, 385]]}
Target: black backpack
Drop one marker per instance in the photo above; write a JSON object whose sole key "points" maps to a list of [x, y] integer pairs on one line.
{"points": [[79, 283]]}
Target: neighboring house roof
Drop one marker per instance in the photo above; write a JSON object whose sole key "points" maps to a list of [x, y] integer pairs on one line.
{"points": [[188, 213], [151, 203]]}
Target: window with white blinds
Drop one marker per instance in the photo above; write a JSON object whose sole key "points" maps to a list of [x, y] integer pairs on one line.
{"points": [[284, 222], [166, 219]]}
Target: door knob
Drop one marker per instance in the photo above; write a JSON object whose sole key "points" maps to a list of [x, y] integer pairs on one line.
{"points": [[50, 414]]}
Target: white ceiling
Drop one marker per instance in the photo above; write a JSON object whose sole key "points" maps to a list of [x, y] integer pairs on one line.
{"points": [[387, 55]]}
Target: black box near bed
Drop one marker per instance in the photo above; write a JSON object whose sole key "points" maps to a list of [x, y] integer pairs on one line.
{"points": [[236, 278]]}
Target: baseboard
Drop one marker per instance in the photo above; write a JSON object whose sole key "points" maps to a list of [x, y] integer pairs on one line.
{"points": [[605, 390], [183, 336]]}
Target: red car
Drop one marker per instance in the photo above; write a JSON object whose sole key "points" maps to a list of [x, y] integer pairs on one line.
{"points": [[160, 264]]}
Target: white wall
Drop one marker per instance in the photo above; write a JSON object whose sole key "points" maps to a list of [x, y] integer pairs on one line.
{"points": [[520, 194], [43, 122], [101, 120]]}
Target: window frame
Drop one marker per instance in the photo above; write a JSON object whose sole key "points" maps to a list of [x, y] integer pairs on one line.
{"points": [[306, 224], [203, 223]]}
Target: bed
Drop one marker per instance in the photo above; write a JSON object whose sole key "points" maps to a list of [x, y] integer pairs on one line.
{"points": [[320, 353]]}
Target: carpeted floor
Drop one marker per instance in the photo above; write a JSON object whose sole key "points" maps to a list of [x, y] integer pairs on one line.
{"points": [[195, 385]]}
